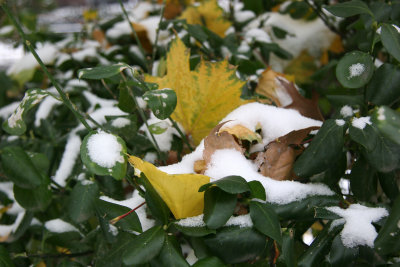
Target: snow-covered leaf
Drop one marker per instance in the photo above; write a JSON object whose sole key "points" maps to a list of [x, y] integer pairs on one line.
{"points": [[102, 72], [162, 102]]}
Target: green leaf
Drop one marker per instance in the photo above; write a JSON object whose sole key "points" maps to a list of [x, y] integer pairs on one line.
{"points": [[388, 182], [15, 124], [158, 127], [265, 220], [115, 144], [171, 253], [364, 137], [288, 251], [144, 247], [19, 168], [109, 211], [234, 244], [37, 199], [319, 248], [102, 72], [82, 200], [350, 8], [197, 32], [218, 207], [322, 213], [387, 241], [340, 255], [257, 190], [363, 180], [194, 231], [24, 225], [113, 257], [229, 184], [383, 88], [209, 262], [391, 40], [388, 123], [162, 102], [355, 69], [5, 259], [323, 150], [125, 100]]}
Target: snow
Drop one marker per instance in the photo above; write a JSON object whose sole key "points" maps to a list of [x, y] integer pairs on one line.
{"points": [[360, 123], [104, 149], [340, 122], [257, 35], [381, 114], [358, 229], [113, 230], [356, 70], [45, 108], [241, 221], [195, 221], [60, 226], [48, 53], [71, 152], [95, 100], [120, 122], [7, 188], [243, 16], [73, 83], [83, 54], [132, 203], [346, 111], [150, 157], [7, 110], [6, 230]]}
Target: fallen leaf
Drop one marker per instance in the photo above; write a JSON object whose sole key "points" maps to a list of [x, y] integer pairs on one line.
{"points": [[141, 32], [302, 67], [100, 37], [336, 47], [207, 14], [218, 140], [269, 86], [277, 161], [242, 133], [307, 107], [179, 191], [205, 95], [200, 166]]}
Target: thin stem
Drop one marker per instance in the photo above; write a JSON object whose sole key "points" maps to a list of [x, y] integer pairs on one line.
{"points": [[153, 56], [142, 115], [60, 255], [108, 89], [64, 97], [117, 219], [184, 137], [133, 31]]}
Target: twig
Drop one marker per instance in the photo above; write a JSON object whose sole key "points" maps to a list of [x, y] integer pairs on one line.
{"points": [[134, 32], [184, 137], [64, 97], [60, 255], [108, 89], [117, 219]]}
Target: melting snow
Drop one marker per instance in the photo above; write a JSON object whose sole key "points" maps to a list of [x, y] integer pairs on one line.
{"points": [[360, 123], [356, 70], [104, 149]]}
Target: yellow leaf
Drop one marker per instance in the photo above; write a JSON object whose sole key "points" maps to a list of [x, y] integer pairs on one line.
{"points": [[242, 133], [90, 14], [302, 67], [205, 95], [207, 14], [179, 191]]}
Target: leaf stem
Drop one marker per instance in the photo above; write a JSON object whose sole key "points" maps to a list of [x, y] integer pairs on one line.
{"points": [[134, 33], [153, 56], [183, 136], [64, 97], [60, 255], [117, 219], [322, 16]]}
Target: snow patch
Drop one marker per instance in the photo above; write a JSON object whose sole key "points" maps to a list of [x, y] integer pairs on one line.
{"points": [[120, 122], [346, 111], [356, 70], [104, 149], [60, 226], [360, 123]]}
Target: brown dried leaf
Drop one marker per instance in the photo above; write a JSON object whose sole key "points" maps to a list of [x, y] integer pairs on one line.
{"points": [[307, 107], [216, 140], [199, 166]]}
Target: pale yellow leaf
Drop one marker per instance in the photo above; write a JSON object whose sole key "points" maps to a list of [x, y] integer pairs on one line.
{"points": [[179, 191], [205, 95], [242, 133]]}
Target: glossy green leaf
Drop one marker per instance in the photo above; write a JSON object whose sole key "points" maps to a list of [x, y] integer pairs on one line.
{"points": [[218, 207], [322, 213], [383, 88], [102, 72], [125, 100], [116, 169], [363, 180], [5, 259], [257, 190], [388, 123], [349, 8], [355, 69], [323, 150], [194, 231], [388, 182], [82, 200], [365, 137], [171, 253], [159, 127], [265, 220], [234, 244], [113, 256], [24, 225], [391, 40], [162, 102], [288, 249], [19, 168], [15, 124], [144, 247], [340, 255], [209, 262], [388, 237], [230, 184], [37, 199], [109, 211]]}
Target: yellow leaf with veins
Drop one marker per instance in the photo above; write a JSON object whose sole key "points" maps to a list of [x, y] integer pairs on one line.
{"points": [[179, 191], [207, 14], [205, 95]]}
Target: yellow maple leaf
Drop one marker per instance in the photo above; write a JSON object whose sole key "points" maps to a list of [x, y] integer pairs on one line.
{"points": [[179, 191], [205, 95], [207, 14]]}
